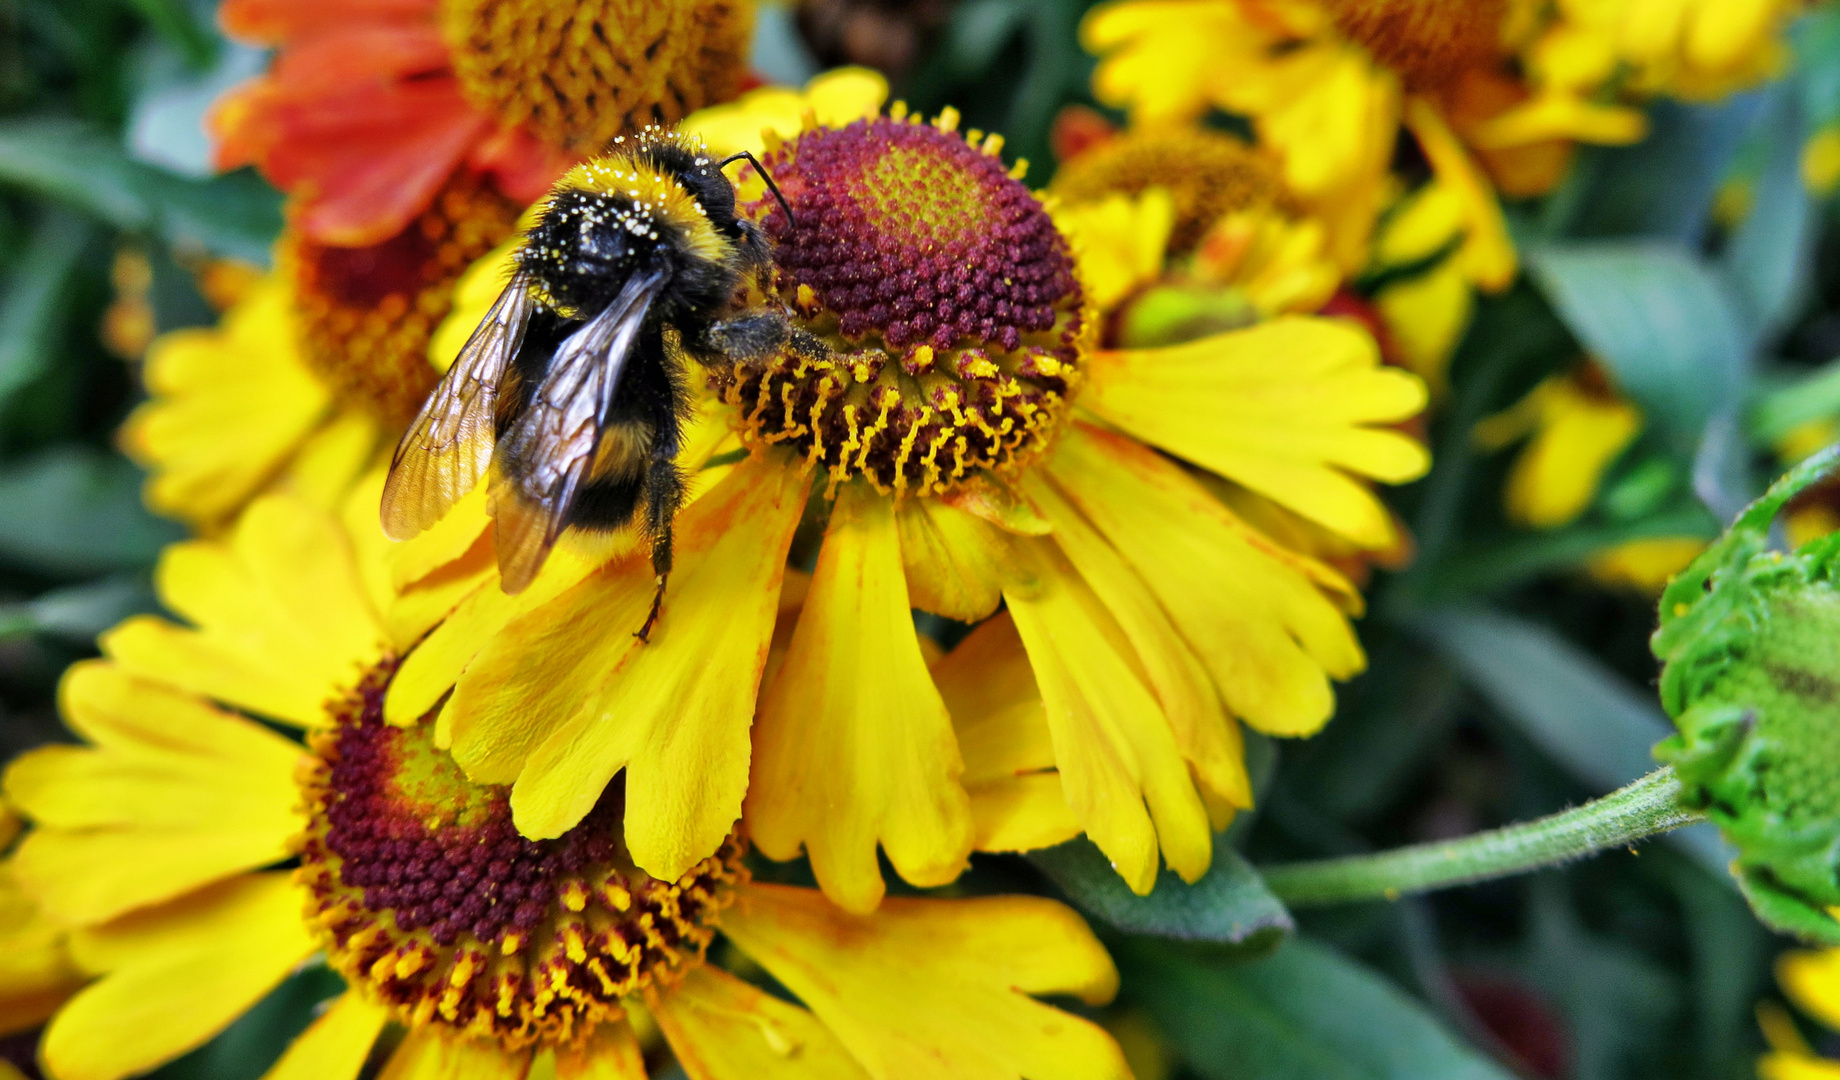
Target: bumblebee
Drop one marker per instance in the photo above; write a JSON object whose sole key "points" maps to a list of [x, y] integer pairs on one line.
{"points": [[571, 395]]}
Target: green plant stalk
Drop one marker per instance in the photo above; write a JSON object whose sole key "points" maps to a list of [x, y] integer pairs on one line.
{"points": [[1644, 808]]}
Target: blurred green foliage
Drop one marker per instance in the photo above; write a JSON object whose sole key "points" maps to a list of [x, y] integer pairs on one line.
{"points": [[1504, 684]]}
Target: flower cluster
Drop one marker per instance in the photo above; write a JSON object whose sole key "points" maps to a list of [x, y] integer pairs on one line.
{"points": [[1031, 508]]}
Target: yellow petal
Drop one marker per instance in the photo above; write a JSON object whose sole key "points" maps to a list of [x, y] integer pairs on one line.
{"points": [[335, 1045], [1578, 435], [1427, 316], [1209, 738], [938, 988], [1016, 799], [1792, 1067], [438, 661], [175, 976], [676, 714], [955, 562], [1284, 408], [1811, 979], [282, 618], [1112, 744], [723, 1029], [853, 745], [1251, 611], [1487, 252], [330, 460], [611, 1053], [228, 408], [175, 794], [36, 972], [432, 1053]]}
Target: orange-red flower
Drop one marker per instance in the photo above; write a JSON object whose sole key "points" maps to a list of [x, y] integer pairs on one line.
{"points": [[372, 105]]}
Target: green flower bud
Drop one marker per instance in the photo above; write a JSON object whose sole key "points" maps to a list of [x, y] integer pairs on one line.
{"points": [[1750, 639]]}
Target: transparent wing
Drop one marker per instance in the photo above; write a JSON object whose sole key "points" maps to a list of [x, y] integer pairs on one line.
{"points": [[448, 447], [546, 454]]}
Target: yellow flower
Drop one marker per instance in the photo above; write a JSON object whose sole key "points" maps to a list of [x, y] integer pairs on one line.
{"points": [[314, 373], [1576, 426], [973, 450], [1811, 981], [156, 844], [1645, 565], [1688, 48], [1328, 85], [36, 970]]}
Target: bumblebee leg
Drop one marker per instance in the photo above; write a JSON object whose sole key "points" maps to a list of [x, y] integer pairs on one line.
{"points": [[664, 491], [748, 337]]}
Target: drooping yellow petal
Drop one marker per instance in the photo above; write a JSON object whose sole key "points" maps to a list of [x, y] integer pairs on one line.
{"points": [[938, 988], [174, 976], [1427, 316], [36, 971], [335, 1045], [723, 1029], [955, 561], [1120, 766], [853, 746], [1578, 431], [1487, 254], [1287, 408], [1209, 738], [281, 618], [1811, 979], [675, 714], [1016, 799], [434, 1053], [1251, 611], [174, 794], [228, 407]]}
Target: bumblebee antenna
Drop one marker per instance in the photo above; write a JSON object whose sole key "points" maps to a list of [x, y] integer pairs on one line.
{"points": [[764, 175]]}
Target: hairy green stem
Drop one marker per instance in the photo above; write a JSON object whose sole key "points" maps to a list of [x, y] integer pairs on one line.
{"points": [[1643, 808]]}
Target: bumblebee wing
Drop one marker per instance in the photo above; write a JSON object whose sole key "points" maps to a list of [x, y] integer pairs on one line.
{"points": [[546, 454], [447, 448]]}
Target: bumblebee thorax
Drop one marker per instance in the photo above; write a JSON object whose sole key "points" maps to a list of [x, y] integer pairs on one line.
{"points": [[613, 216]]}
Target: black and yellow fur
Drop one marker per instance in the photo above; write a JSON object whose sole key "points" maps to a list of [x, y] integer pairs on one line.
{"points": [[572, 390]]}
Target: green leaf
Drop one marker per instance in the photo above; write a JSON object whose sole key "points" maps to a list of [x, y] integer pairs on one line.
{"points": [[1614, 192], [236, 214], [80, 612], [36, 299], [1663, 321], [1304, 1013], [1229, 906], [1815, 396], [1770, 260], [72, 511], [1525, 555], [1587, 718]]}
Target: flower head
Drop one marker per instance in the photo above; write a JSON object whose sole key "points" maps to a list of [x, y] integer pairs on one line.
{"points": [[158, 841], [977, 451], [1747, 638], [371, 108]]}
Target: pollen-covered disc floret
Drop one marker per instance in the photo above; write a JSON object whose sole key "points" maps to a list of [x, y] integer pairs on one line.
{"points": [[946, 297], [430, 900], [365, 314], [577, 73]]}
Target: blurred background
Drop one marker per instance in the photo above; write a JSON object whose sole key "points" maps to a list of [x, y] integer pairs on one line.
{"points": [[1510, 674]]}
